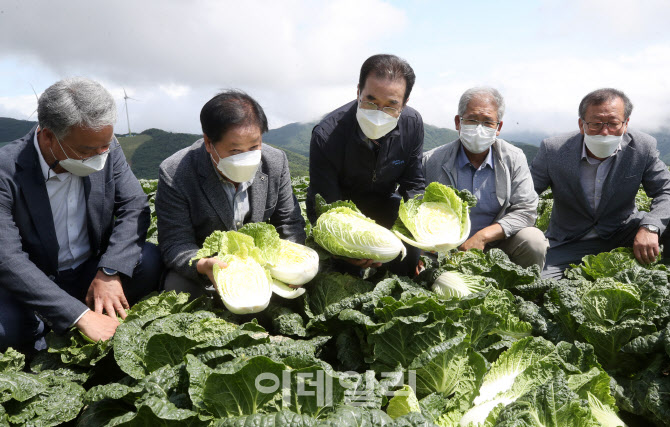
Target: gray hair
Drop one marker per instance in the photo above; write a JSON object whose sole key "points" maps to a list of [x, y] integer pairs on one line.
{"points": [[481, 91], [75, 101], [600, 96]]}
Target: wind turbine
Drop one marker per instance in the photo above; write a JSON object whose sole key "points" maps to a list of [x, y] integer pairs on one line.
{"points": [[36, 98], [125, 99]]}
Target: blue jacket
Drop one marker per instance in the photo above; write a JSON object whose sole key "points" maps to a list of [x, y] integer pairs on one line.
{"points": [[343, 167], [117, 215]]}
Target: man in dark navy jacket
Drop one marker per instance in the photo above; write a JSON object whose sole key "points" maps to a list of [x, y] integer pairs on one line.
{"points": [[369, 151]]}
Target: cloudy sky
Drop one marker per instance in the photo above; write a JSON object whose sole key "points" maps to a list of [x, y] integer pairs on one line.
{"points": [[300, 58]]}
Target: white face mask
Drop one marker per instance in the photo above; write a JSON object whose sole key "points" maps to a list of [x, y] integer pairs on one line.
{"points": [[477, 138], [375, 123], [240, 167], [84, 167], [602, 145]]}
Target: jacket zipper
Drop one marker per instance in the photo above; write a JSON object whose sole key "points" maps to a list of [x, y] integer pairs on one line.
{"points": [[374, 171]]}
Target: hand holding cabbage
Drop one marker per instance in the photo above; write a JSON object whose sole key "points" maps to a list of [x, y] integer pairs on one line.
{"points": [[206, 266], [344, 231], [252, 264]]}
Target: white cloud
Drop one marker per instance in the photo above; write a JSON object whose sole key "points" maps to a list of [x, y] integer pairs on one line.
{"points": [[175, 90], [300, 59], [543, 95], [296, 56], [22, 106]]}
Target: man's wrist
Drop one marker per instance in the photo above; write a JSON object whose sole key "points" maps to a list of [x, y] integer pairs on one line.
{"points": [[651, 228], [79, 318], [109, 271]]}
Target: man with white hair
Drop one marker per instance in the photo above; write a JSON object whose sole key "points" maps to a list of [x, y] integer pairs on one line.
{"points": [[497, 173], [73, 222]]}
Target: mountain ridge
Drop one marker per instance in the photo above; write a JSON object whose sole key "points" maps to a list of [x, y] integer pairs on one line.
{"points": [[146, 150]]}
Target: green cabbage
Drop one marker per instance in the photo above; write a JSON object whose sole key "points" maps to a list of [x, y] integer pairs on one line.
{"points": [[438, 222]]}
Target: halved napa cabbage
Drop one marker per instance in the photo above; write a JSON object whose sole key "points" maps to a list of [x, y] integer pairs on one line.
{"points": [[257, 246], [244, 286], [346, 232], [283, 290], [296, 264], [439, 222]]}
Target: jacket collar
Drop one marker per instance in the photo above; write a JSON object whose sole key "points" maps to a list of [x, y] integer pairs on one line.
{"points": [[30, 178], [211, 186], [621, 160], [258, 195]]}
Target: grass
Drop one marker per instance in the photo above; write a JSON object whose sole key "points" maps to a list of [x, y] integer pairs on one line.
{"points": [[130, 143]]}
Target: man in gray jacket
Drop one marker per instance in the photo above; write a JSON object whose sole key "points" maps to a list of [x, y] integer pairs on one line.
{"points": [[594, 176], [224, 180], [497, 174], [73, 222]]}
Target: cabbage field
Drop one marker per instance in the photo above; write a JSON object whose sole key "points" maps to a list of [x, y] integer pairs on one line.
{"points": [[474, 340]]}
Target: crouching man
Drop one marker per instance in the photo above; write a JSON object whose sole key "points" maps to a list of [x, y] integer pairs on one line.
{"points": [[73, 222], [497, 173]]}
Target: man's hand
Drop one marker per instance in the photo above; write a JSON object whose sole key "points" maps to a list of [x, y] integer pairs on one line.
{"points": [[362, 263], [106, 293], [645, 246], [206, 266], [486, 235], [420, 266], [475, 242], [97, 326]]}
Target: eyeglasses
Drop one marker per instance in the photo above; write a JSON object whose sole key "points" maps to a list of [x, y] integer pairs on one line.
{"points": [[597, 126], [110, 148], [367, 105], [477, 122]]}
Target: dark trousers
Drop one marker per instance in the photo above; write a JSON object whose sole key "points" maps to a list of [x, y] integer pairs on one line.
{"points": [[23, 330], [560, 257]]}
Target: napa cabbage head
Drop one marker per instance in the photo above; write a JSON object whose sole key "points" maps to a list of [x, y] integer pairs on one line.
{"points": [[296, 264], [345, 231], [455, 284], [438, 222], [244, 285], [517, 370]]}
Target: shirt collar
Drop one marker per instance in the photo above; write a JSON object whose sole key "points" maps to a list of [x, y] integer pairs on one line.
{"points": [[43, 163], [463, 158]]}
